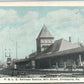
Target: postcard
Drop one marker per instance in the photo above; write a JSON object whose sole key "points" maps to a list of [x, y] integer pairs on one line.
{"points": [[42, 42]]}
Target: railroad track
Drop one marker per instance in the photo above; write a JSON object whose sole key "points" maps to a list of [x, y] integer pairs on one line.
{"points": [[41, 72]]}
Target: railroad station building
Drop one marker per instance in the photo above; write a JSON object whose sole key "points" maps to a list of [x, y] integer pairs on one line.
{"points": [[53, 54]]}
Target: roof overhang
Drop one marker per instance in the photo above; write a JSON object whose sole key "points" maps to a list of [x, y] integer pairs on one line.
{"points": [[61, 53]]}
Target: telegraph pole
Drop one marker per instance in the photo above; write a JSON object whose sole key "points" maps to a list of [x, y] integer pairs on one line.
{"points": [[78, 42], [16, 50], [9, 53], [5, 52]]}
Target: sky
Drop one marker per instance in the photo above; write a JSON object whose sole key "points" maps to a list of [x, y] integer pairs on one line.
{"points": [[22, 25]]}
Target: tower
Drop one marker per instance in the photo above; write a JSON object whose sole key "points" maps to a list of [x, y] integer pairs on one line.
{"points": [[44, 39]]}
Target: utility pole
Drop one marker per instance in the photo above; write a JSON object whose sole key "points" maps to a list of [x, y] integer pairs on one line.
{"points": [[16, 50], [5, 53], [9, 53], [78, 42]]}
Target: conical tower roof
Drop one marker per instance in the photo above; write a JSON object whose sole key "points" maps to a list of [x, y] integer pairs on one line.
{"points": [[44, 33]]}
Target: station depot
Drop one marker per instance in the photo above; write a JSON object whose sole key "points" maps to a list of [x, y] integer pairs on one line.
{"points": [[56, 55], [52, 54]]}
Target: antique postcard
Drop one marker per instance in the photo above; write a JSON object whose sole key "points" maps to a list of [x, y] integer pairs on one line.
{"points": [[41, 42]]}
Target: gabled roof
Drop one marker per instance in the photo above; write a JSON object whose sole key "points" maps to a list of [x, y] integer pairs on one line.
{"points": [[65, 45], [44, 33], [61, 45]]}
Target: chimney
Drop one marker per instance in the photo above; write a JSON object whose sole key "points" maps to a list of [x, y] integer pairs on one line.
{"points": [[69, 39]]}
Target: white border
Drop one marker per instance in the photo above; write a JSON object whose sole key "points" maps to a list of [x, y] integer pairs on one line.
{"points": [[44, 3], [43, 80]]}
